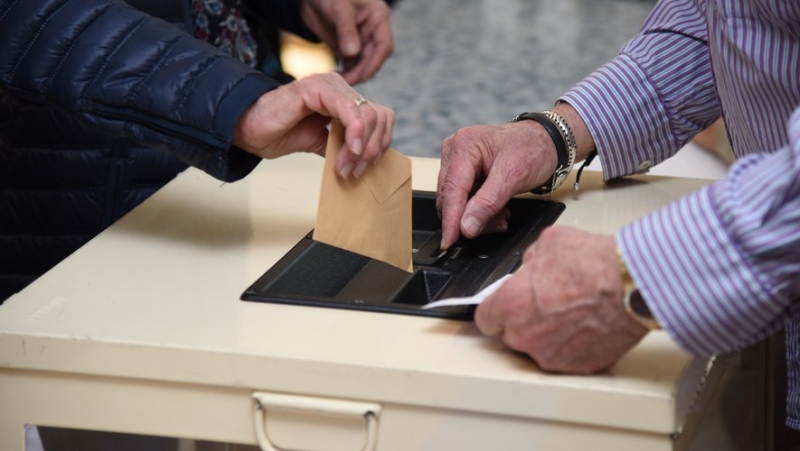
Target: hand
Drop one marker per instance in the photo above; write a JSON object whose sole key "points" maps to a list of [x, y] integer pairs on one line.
{"points": [[293, 118], [497, 161], [564, 305], [358, 31]]}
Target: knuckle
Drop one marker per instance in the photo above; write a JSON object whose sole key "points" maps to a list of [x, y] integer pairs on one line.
{"points": [[530, 254], [490, 203], [371, 117], [316, 78], [448, 186], [357, 124], [382, 10], [372, 150], [463, 136], [446, 148]]}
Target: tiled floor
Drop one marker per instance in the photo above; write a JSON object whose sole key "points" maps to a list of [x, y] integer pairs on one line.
{"points": [[464, 62]]}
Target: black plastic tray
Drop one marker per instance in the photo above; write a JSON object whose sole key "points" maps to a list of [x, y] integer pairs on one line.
{"points": [[319, 275]]}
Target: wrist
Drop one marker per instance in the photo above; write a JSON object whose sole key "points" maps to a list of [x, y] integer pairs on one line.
{"points": [[243, 135], [541, 145], [583, 139], [238, 136], [562, 138]]}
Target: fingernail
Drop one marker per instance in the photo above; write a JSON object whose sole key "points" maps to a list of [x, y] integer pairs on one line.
{"points": [[362, 166], [442, 246], [349, 48], [357, 146], [346, 170], [377, 159], [472, 227]]}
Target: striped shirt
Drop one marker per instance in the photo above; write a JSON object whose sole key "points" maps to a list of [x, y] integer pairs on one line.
{"points": [[720, 268]]}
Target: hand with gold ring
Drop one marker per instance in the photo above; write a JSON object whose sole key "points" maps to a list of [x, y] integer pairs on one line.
{"points": [[293, 118]]}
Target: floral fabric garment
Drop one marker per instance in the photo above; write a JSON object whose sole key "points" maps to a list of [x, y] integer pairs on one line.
{"points": [[222, 24]]}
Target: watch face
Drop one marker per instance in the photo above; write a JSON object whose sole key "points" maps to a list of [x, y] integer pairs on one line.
{"points": [[639, 306]]}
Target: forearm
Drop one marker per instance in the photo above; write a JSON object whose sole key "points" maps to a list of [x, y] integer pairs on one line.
{"points": [[130, 75], [721, 268], [659, 92]]}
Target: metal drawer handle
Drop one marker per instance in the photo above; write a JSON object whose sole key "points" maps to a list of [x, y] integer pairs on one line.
{"points": [[369, 411]]}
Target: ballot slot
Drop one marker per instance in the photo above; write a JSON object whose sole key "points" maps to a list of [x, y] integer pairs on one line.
{"points": [[316, 274], [423, 287]]}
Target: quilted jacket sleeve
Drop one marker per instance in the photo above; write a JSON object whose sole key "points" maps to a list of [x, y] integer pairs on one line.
{"points": [[132, 76]]}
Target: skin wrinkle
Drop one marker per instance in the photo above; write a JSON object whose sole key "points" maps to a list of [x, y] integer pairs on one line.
{"points": [[659, 122], [562, 341], [551, 289], [573, 345], [574, 341], [499, 175], [278, 124], [357, 31]]}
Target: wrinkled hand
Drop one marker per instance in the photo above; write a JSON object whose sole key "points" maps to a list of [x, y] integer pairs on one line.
{"points": [[293, 118], [358, 31], [564, 305], [495, 163]]}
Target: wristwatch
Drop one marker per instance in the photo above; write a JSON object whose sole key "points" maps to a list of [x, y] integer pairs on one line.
{"points": [[632, 299], [564, 141]]}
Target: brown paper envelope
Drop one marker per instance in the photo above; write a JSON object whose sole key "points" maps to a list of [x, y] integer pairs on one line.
{"points": [[370, 216]]}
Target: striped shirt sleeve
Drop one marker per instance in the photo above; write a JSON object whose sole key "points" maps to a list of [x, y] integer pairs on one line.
{"points": [[647, 103], [720, 269]]}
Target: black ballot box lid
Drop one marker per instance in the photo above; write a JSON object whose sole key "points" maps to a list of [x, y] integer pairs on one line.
{"points": [[319, 275]]}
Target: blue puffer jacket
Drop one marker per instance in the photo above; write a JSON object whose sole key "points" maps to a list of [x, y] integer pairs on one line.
{"points": [[101, 103]]}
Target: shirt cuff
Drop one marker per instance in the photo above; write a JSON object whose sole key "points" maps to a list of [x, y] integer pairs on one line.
{"points": [[629, 124], [701, 289]]}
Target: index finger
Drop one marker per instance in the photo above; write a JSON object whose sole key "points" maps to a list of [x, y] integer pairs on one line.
{"points": [[343, 18], [377, 44], [455, 182], [359, 118]]}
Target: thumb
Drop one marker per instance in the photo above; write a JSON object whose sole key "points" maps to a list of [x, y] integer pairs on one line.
{"points": [[344, 21], [486, 204]]}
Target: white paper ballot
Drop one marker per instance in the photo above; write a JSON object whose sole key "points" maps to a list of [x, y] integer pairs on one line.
{"points": [[469, 300]]}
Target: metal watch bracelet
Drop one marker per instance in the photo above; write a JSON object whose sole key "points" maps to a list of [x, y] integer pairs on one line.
{"points": [[566, 147]]}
